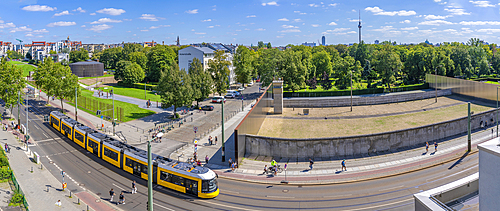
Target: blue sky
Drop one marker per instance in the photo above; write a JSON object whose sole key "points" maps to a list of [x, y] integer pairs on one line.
{"points": [[247, 22]]}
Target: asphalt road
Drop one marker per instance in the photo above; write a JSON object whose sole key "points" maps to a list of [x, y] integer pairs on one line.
{"points": [[91, 173]]}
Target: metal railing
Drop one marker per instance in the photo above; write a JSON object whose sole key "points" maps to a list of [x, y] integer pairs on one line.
{"points": [[17, 190]]}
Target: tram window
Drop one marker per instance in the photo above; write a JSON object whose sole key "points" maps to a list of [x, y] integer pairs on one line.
{"points": [[177, 180], [54, 120], [66, 129], [208, 186], [109, 153], [78, 137], [166, 176], [92, 144], [128, 162], [144, 169]]}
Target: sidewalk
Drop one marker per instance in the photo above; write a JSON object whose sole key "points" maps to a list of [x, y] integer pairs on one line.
{"points": [[360, 167]]}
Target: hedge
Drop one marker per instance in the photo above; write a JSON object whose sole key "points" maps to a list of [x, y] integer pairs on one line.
{"points": [[355, 92], [137, 85]]}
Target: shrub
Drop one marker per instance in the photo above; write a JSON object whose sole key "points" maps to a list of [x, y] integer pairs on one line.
{"points": [[177, 115], [17, 198], [4, 161], [5, 173]]}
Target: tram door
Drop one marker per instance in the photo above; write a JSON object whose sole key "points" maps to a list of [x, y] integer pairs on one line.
{"points": [[137, 168], [191, 187], [94, 146]]}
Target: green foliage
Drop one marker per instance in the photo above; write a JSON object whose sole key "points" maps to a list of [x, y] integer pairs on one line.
{"points": [[292, 70], [322, 61], [387, 63], [5, 172], [17, 198], [52, 52], [11, 83], [29, 56], [4, 161], [201, 81], [139, 58], [128, 72], [14, 55], [78, 56], [243, 61], [218, 67], [110, 57], [160, 58], [267, 65], [345, 67], [175, 88]]}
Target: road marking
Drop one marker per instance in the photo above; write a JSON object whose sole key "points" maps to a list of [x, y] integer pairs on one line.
{"points": [[392, 188], [163, 207], [281, 197], [239, 208], [337, 196], [118, 186], [372, 207], [45, 135], [231, 191], [45, 140], [37, 127]]}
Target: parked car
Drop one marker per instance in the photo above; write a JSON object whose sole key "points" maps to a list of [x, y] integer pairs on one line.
{"points": [[229, 95], [258, 80], [207, 108], [218, 99], [234, 92], [241, 89], [250, 84]]}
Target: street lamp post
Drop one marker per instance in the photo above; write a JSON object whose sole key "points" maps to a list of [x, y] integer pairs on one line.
{"points": [[114, 123], [497, 111], [351, 90], [223, 148], [76, 103], [19, 108], [435, 78], [150, 173]]}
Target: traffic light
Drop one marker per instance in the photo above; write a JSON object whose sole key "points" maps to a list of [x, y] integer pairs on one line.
{"points": [[45, 118], [27, 137], [98, 112]]}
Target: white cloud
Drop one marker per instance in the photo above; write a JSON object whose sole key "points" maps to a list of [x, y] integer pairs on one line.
{"points": [[435, 23], [333, 5], [405, 21], [39, 8], [352, 32], [144, 30], [457, 11], [61, 23], [482, 4], [41, 31], [200, 33], [378, 11], [385, 29], [210, 27], [21, 29], [283, 19], [83, 26], [66, 12], [29, 35], [297, 20], [111, 11], [437, 0], [214, 7], [290, 30], [332, 24], [155, 27], [92, 13], [315, 25], [313, 5], [272, 3], [7, 25], [489, 31], [251, 16], [106, 20], [289, 26], [192, 11], [99, 28], [434, 17], [354, 20], [337, 30], [479, 23], [260, 29], [279, 36], [79, 9], [409, 28], [149, 17], [207, 20], [449, 30]]}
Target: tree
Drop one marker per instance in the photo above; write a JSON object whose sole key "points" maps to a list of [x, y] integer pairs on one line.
{"points": [[52, 52], [29, 56], [345, 67], [160, 58], [322, 61], [312, 83], [78, 56], [65, 50], [129, 48], [386, 63], [128, 72], [243, 63], [261, 44], [110, 57], [326, 83], [474, 42], [175, 87], [201, 81], [11, 82], [139, 58], [218, 67], [268, 64], [14, 55], [269, 45], [293, 70]]}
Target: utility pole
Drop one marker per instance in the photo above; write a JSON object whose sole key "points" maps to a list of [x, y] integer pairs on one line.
{"points": [[76, 103], [223, 148], [145, 90], [26, 116], [19, 108], [150, 173], [497, 111], [468, 128], [113, 96], [436, 82], [351, 90]]}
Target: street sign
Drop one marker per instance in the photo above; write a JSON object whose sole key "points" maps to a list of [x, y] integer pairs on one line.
{"points": [[102, 116], [195, 129], [63, 173]]}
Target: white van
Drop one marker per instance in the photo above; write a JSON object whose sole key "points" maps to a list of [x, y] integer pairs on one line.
{"points": [[234, 92]]}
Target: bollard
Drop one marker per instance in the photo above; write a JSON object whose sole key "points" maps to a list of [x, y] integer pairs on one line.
{"points": [[32, 169], [47, 189], [87, 207], [78, 201], [70, 196], [41, 166]]}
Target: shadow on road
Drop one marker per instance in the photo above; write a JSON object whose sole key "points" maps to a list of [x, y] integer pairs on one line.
{"points": [[459, 160]]}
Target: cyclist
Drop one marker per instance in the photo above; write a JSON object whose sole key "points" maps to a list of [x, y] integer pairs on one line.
{"points": [[273, 163]]}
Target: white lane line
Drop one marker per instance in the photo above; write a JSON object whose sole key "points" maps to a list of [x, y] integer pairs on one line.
{"points": [[281, 197], [337, 196], [46, 140], [118, 187], [237, 208], [37, 127], [372, 207], [392, 188], [163, 207], [228, 191], [45, 135]]}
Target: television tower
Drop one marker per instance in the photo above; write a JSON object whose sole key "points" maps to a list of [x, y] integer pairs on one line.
{"points": [[359, 26]]}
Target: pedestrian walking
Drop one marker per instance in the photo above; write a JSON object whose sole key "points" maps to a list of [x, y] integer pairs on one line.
{"points": [[206, 159], [195, 155], [232, 167], [215, 140], [134, 188], [58, 203], [311, 162], [426, 147], [435, 146], [343, 165], [122, 199], [111, 194], [198, 163], [230, 162], [6, 147], [210, 140]]}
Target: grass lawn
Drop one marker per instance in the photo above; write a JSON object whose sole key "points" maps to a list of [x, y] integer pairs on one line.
{"points": [[104, 76], [303, 128], [25, 67], [130, 111], [491, 82], [133, 92]]}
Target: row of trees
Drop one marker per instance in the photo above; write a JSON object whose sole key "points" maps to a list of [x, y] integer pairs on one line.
{"points": [[11, 82], [301, 65]]}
